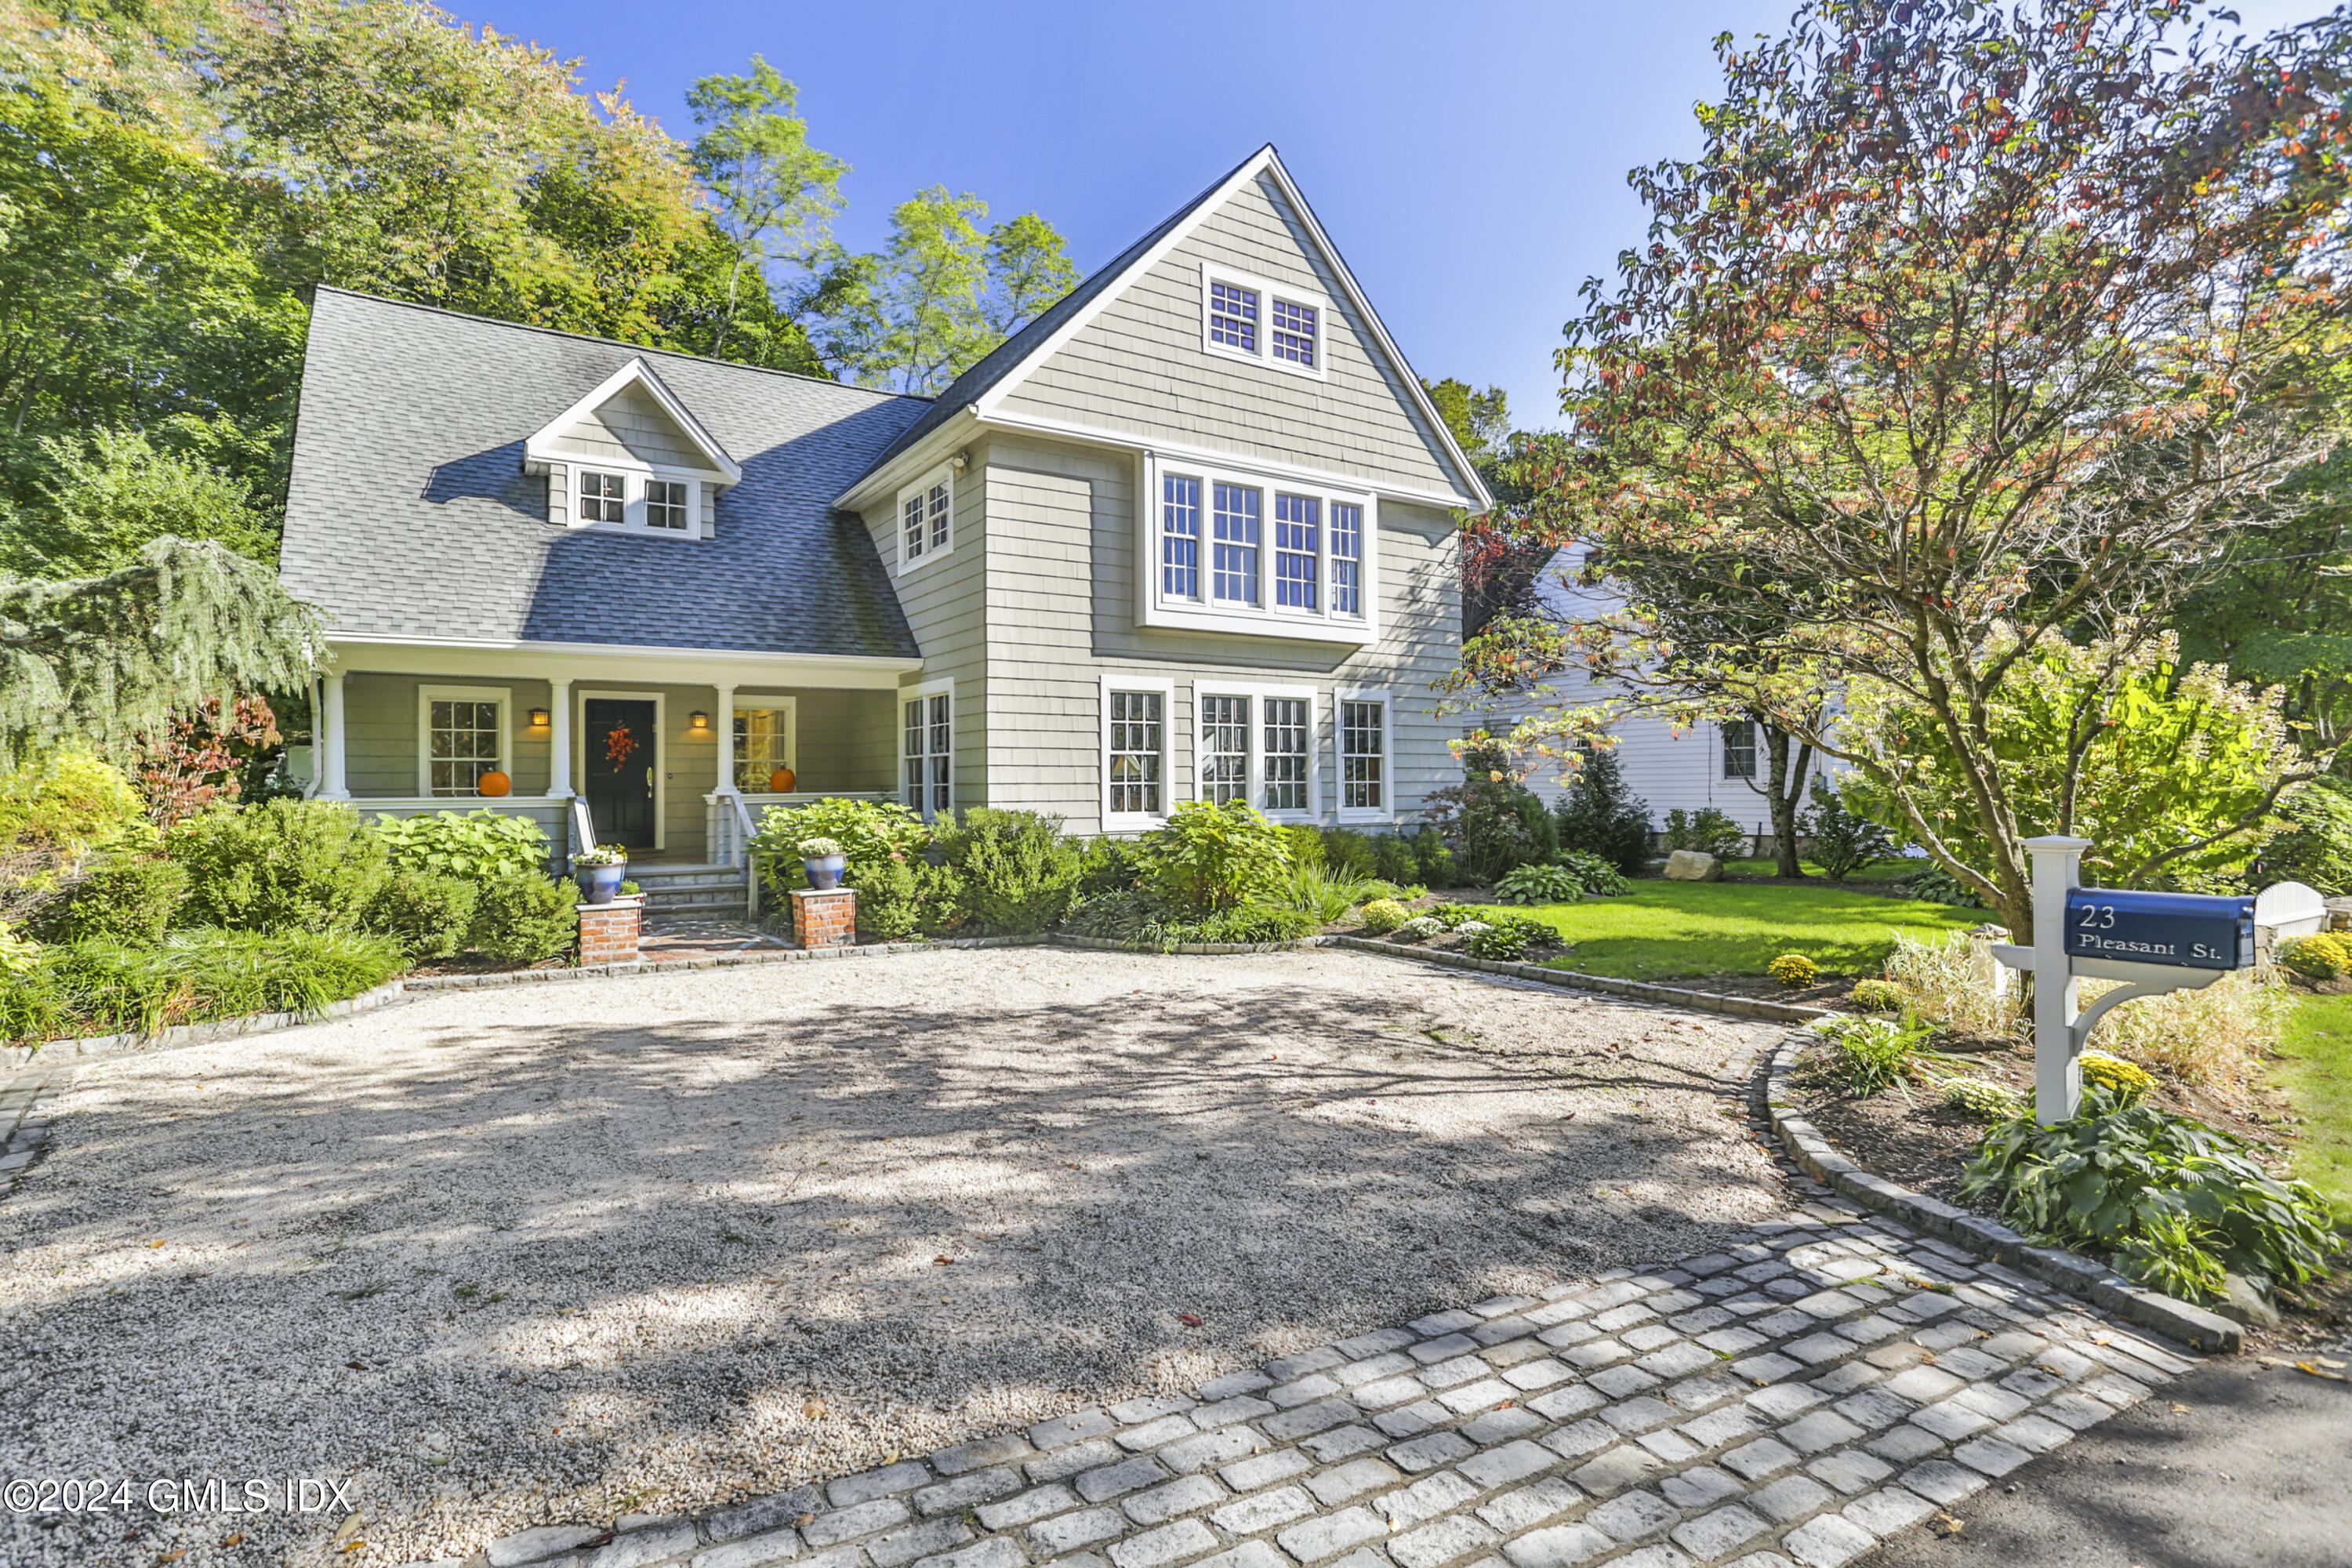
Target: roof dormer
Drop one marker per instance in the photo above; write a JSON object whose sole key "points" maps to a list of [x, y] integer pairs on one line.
{"points": [[630, 457]]}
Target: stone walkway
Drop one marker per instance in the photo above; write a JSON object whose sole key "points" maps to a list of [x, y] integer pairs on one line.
{"points": [[1798, 1397]]}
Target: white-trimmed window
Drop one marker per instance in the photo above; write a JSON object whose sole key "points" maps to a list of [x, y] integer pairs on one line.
{"points": [[926, 518], [1365, 785], [1179, 537], [762, 743], [1137, 753], [666, 504], [1739, 749], [461, 736], [1289, 754], [1297, 560], [604, 498], [1347, 559], [1224, 749], [927, 750], [1238, 510], [1257, 743], [1275, 326]]}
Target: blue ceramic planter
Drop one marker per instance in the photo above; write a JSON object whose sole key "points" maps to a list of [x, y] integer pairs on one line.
{"points": [[603, 883], [824, 872]]}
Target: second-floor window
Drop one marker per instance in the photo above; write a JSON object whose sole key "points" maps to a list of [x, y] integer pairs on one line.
{"points": [[1739, 749], [1294, 332], [1275, 326], [925, 520], [1296, 556], [604, 498], [637, 501], [1233, 547], [1179, 537], [1347, 559], [1233, 316], [1238, 509], [665, 504]]}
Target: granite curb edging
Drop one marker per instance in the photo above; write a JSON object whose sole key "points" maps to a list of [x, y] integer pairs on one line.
{"points": [[1632, 990], [2069, 1271], [90, 1048]]}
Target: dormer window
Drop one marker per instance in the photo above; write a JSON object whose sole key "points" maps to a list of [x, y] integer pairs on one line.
{"points": [[666, 504], [603, 496], [1265, 322], [628, 456], [926, 520]]}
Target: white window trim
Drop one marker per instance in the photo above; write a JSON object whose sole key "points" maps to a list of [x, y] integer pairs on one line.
{"points": [[1137, 821], [429, 695], [1387, 811], [925, 691], [1268, 292], [581, 693], [634, 476], [1156, 607], [747, 701], [900, 564], [1256, 769]]}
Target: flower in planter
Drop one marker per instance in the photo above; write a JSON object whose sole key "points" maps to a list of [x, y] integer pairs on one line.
{"points": [[603, 854], [819, 848]]}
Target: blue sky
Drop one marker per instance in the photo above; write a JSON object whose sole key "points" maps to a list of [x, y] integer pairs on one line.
{"points": [[1468, 157]]}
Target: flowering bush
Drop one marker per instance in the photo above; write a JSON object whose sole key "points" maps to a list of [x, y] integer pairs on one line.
{"points": [[1381, 916], [819, 848], [1421, 928], [1793, 969], [2128, 1083], [1983, 1098], [1876, 996]]}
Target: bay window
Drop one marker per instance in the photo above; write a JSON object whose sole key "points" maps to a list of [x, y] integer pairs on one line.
{"points": [[1268, 554]]}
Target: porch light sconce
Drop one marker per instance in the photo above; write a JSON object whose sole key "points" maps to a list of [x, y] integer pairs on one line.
{"points": [[538, 718], [698, 720]]}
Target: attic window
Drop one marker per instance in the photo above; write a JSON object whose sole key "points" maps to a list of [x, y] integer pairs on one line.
{"points": [[1233, 316], [602, 497], [1265, 323], [1294, 332], [665, 504]]}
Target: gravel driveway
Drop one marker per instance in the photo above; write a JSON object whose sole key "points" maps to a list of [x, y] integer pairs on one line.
{"points": [[556, 1253]]}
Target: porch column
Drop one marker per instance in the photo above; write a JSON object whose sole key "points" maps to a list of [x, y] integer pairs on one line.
{"points": [[725, 717], [330, 753], [559, 737]]}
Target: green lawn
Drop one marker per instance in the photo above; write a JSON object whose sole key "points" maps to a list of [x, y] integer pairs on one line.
{"points": [[1668, 929], [2319, 1079]]}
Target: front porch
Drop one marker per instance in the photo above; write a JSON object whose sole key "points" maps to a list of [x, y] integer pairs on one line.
{"points": [[671, 753]]}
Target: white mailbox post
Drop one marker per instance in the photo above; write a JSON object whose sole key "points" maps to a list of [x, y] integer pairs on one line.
{"points": [[2152, 942]]}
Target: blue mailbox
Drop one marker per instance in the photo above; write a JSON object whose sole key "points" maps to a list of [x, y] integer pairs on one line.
{"points": [[2189, 930]]}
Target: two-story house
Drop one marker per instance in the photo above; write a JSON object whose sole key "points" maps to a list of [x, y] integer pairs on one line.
{"points": [[1188, 534]]}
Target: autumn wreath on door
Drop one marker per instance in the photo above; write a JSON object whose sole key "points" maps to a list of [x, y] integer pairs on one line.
{"points": [[618, 744]]}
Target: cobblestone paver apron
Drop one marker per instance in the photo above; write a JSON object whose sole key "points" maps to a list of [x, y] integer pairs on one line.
{"points": [[1796, 1397]]}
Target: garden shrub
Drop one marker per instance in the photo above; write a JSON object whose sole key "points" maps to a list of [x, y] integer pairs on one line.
{"points": [[208, 972], [522, 920], [1499, 823], [2216, 1035], [1983, 1098], [1600, 878], [1421, 928], [1509, 938], [54, 811], [2127, 1083], [1840, 842], [1453, 917], [1951, 983], [1867, 1055], [1016, 871], [18, 952], [130, 899], [869, 831], [1394, 858], [1433, 864], [1346, 852], [34, 1007], [2325, 956], [1381, 916], [2316, 845], [2166, 1195], [475, 845], [1208, 857], [1328, 897], [1115, 915], [283, 865], [1708, 831], [1540, 885], [1306, 848], [1877, 996], [1109, 865], [1241, 923], [1599, 815], [1936, 885], [430, 915], [1793, 969]]}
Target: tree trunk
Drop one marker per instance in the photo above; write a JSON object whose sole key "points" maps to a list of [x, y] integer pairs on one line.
{"points": [[1782, 792]]}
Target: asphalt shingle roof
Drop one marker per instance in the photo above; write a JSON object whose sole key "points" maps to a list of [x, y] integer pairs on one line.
{"points": [[410, 515]]}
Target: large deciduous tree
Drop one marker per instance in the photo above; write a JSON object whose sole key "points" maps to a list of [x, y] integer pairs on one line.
{"points": [[1969, 330]]}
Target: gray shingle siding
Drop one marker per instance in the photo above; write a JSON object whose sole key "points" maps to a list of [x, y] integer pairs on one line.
{"points": [[410, 515]]}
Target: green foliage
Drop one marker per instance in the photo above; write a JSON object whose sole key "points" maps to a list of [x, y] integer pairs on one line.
{"points": [[1110, 865], [1307, 848], [1706, 830], [477, 845], [1499, 823], [1938, 886], [1346, 852], [2141, 1183], [34, 1007], [776, 196], [67, 802], [1241, 923], [1017, 871], [1395, 859], [1793, 969], [1452, 917], [2123, 1082], [1877, 996], [1867, 1055], [1114, 915], [1599, 878], [102, 504], [97, 987], [1600, 816], [2314, 847], [1381, 917], [2172, 1254], [1208, 857], [1433, 864], [130, 899], [18, 952], [870, 833], [2325, 956], [1540, 885], [522, 919], [1317, 892], [1840, 842], [1509, 938], [1983, 1098], [283, 865], [429, 914]]}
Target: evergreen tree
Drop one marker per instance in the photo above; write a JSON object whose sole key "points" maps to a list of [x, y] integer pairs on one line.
{"points": [[1600, 816]]}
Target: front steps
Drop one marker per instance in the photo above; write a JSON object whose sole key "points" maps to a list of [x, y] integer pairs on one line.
{"points": [[714, 893]]}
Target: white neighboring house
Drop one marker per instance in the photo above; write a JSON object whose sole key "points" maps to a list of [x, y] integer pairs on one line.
{"points": [[1725, 766]]}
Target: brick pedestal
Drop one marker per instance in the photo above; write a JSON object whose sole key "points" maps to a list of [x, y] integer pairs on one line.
{"points": [[824, 920], [609, 932]]}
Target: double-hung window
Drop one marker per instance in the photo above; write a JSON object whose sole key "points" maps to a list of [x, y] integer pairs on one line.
{"points": [[1364, 755], [1294, 332], [926, 520], [1347, 559], [1256, 743], [928, 753], [1137, 753], [1739, 749], [463, 736], [1237, 511], [1288, 750], [1296, 557], [764, 744], [1224, 749], [1271, 324], [1179, 536]]}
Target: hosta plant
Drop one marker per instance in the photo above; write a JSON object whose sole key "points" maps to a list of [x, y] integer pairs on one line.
{"points": [[1534, 884], [1508, 938]]}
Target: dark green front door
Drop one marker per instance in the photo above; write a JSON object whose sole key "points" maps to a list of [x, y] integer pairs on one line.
{"points": [[620, 747]]}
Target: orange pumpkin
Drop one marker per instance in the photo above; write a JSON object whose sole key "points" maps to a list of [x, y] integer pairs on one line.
{"points": [[494, 783], [781, 781]]}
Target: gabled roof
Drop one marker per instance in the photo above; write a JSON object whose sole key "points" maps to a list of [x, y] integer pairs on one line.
{"points": [[409, 514], [988, 382], [542, 445]]}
